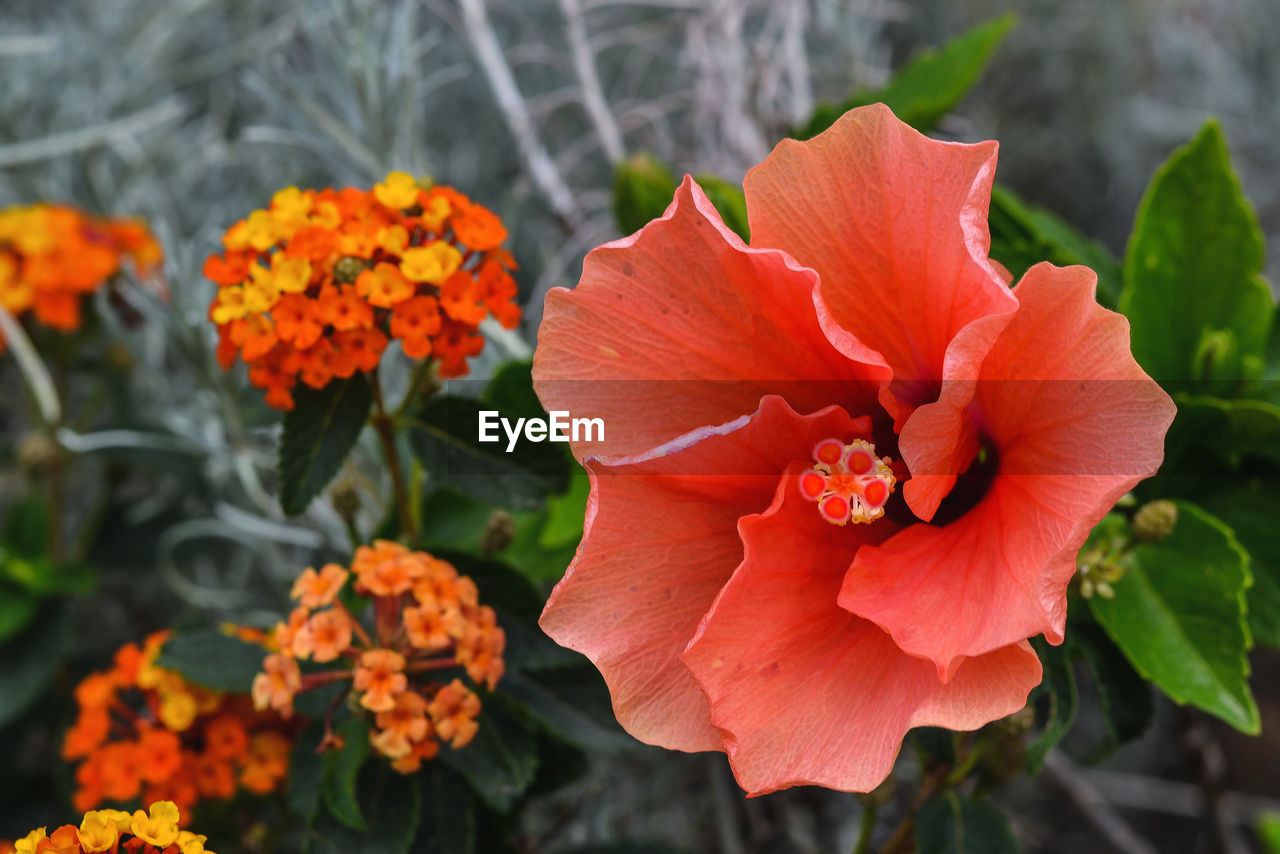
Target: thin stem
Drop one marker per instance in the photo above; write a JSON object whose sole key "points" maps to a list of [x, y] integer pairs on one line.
{"points": [[869, 811], [385, 428]]}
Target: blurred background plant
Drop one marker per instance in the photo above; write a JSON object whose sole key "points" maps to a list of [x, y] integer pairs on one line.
{"points": [[192, 113]]}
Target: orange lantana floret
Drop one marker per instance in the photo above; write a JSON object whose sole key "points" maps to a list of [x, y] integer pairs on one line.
{"points": [[379, 676], [142, 730], [317, 589], [53, 256], [425, 619], [315, 286]]}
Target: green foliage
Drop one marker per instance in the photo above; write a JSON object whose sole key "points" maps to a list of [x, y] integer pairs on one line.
{"points": [[341, 770], [444, 437], [1022, 236], [1059, 687], [213, 659], [642, 189], [30, 659], [1268, 828], [319, 433], [449, 820], [929, 86], [728, 200], [306, 772], [1179, 617], [392, 810], [502, 760], [565, 513], [1252, 513], [1127, 706], [953, 824], [1200, 312]]}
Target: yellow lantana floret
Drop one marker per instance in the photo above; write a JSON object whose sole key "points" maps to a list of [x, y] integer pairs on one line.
{"points": [[98, 831], [28, 843], [398, 191], [160, 827], [290, 275], [432, 263]]}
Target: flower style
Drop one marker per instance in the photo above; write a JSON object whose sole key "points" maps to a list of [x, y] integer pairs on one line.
{"points": [[144, 731], [427, 619], [315, 286], [154, 831], [53, 256], [848, 468]]}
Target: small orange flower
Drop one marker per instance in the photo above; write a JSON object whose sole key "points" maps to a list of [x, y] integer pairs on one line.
{"points": [[314, 287], [53, 256], [454, 711], [179, 743], [380, 677], [317, 589], [275, 686], [425, 618], [325, 637]]}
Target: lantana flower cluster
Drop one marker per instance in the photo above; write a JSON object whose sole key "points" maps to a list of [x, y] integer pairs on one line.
{"points": [[314, 287], [154, 831], [53, 256], [426, 622], [144, 730]]}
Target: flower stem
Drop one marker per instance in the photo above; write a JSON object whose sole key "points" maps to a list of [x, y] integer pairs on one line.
{"points": [[384, 426], [869, 811]]}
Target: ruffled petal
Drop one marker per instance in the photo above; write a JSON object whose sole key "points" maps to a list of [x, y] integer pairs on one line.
{"points": [[659, 541], [895, 224], [1075, 423], [806, 693], [681, 325]]}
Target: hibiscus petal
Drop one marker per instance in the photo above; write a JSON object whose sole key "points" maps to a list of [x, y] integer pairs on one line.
{"points": [[1075, 424], [682, 325], [895, 224], [806, 693], [660, 540]]}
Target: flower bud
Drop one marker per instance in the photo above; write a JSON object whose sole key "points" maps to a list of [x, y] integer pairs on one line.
{"points": [[348, 269], [1155, 521], [498, 533], [642, 189]]}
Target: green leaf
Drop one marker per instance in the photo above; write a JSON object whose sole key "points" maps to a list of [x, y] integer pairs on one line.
{"points": [[1179, 617], [43, 577], [1059, 686], [565, 513], [1022, 236], [26, 527], [319, 433], [728, 200], [445, 436], [1199, 311], [559, 709], [341, 770], [511, 390], [391, 803], [502, 761], [29, 661], [1125, 697], [213, 659], [18, 608], [449, 824], [1269, 832], [306, 772], [642, 189], [929, 86], [1240, 429], [952, 824], [1252, 514]]}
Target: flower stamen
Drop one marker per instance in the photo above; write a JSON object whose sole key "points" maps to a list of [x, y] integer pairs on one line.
{"points": [[848, 481]]}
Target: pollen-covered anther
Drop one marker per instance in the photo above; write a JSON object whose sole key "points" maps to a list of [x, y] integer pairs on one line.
{"points": [[849, 482]]}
